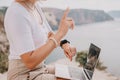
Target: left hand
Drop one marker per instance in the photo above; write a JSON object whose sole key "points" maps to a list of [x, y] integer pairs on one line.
{"points": [[69, 50], [50, 34]]}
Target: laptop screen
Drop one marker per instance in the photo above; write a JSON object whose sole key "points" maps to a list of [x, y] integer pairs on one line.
{"points": [[92, 59]]}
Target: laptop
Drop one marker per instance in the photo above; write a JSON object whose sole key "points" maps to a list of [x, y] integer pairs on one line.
{"points": [[78, 73]]}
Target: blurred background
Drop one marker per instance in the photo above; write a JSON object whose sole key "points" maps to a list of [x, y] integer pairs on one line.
{"points": [[97, 21]]}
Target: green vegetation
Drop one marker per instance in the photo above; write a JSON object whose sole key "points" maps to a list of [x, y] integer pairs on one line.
{"points": [[81, 58], [4, 51], [4, 46], [3, 57], [3, 62]]}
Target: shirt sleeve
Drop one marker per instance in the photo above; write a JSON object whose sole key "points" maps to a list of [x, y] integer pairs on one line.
{"points": [[19, 33]]}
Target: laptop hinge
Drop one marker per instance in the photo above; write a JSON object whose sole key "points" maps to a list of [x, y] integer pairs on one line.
{"points": [[87, 74]]}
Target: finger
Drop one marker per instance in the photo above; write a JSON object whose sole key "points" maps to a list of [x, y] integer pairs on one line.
{"points": [[73, 51], [71, 23], [70, 57], [69, 19], [66, 47], [66, 54], [50, 34], [66, 13]]}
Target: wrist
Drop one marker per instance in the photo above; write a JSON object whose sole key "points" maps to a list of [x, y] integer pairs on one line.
{"points": [[63, 42], [64, 45], [58, 36], [54, 40]]}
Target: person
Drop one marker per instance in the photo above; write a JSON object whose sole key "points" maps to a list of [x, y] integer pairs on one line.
{"points": [[31, 40]]}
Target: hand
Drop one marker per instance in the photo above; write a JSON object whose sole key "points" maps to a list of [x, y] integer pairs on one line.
{"points": [[51, 34], [69, 50], [65, 23]]}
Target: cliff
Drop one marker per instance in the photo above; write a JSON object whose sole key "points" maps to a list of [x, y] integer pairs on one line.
{"points": [[115, 14], [80, 16]]}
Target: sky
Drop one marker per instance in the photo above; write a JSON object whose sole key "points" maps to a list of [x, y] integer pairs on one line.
{"points": [[106, 5]]}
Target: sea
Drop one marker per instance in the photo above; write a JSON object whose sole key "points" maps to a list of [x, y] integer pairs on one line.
{"points": [[105, 35]]}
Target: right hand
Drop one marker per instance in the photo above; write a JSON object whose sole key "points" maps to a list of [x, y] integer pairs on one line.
{"points": [[65, 23], [69, 50]]}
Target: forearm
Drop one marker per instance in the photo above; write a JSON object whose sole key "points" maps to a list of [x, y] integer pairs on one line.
{"points": [[32, 59]]}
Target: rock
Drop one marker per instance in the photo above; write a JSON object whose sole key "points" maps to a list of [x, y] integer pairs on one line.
{"points": [[80, 16], [4, 45], [115, 14]]}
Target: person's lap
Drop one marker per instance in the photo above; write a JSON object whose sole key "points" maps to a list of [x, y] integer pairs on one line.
{"points": [[17, 71], [46, 77], [50, 75]]}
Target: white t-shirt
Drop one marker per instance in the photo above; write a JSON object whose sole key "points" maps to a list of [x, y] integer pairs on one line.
{"points": [[24, 32]]}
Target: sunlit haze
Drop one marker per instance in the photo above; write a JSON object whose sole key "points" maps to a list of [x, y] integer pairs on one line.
{"points": [[106, 5]]}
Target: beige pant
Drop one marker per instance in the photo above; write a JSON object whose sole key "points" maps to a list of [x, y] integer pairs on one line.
{"points": [[18, 71]]}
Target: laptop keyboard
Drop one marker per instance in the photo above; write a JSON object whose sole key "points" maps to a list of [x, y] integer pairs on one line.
{"points": [[76, 73]]}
